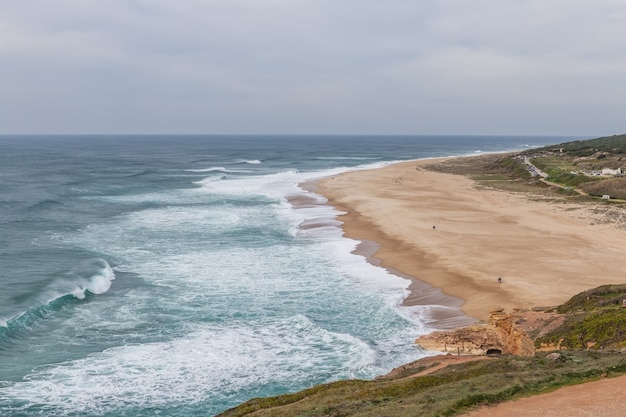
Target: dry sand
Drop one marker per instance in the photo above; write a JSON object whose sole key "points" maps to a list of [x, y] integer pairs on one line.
{"points": [[544, 252]]}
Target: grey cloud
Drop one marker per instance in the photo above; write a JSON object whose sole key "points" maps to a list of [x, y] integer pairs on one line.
{"points": [[313, 66]]}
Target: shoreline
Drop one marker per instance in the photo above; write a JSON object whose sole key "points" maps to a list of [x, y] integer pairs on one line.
{"points": [[453, 240], [445, 311]]}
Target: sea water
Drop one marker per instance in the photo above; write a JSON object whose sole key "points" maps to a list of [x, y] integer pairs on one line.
{"points": [[168, 275]]}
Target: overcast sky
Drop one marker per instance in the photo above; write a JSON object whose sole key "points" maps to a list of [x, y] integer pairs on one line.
{"points": [[313, 66]]}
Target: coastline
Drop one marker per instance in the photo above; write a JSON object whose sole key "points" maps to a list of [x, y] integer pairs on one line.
{"points": [[454, 240]]}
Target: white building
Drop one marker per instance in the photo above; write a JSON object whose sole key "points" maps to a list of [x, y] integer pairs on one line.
{"points": [[608, 171]]}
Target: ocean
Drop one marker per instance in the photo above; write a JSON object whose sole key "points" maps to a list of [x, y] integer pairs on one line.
{"points": [[167, 275]]}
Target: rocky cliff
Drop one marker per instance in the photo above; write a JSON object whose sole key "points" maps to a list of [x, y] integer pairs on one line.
{"points": [[512, 333]]}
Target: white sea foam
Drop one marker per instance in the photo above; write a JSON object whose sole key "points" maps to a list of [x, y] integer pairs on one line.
{"points": [[248, 161], [220, 169], [94, 275], [209, 362], [346, 158], [219, 295], [272, 185], [274, 290]]}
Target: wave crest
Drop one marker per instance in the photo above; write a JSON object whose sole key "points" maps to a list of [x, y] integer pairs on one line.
{"points": [[92, 276]]}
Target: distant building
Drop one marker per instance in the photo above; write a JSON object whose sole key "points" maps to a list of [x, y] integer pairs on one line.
{"points": [[608, 171], [606, 197]]}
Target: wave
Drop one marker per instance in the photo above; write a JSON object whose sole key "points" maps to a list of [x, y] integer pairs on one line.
{"points": [[210, 362], [219, 169], [45, 205], [248, 161], [222, 169], [217, 177], [347, 158], [92, 276]]}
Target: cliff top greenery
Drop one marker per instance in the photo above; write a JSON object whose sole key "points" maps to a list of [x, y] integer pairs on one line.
{"points": [[595, 320]]}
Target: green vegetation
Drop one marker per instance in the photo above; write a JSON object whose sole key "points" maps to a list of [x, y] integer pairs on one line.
{"points": [[598, 330], [596, 320], [561, 171], [595, 299], [447, 392], [609, 144], [571, 164], [504, 172]]}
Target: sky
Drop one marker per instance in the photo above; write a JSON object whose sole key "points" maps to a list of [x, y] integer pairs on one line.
{"points": [[479, 67]]}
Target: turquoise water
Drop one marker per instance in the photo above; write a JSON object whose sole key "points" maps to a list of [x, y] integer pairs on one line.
{"points": [[167, 275]]}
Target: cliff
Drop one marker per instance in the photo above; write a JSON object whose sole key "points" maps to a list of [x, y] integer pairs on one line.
{"points": [[594, 319], [514, 333]]}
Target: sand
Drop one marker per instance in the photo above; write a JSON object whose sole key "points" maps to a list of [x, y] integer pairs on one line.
{"points": [[443, 230]]}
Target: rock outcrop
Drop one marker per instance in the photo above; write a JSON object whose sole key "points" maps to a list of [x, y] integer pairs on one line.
{"points": [[512, 333], [472, 340]]}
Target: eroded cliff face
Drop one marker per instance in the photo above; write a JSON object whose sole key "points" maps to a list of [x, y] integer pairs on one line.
{"points": [[512, 333], [472, 340]]}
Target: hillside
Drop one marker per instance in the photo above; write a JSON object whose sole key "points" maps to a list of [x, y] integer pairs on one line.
{"points": [[595, 319], [570, 166]]}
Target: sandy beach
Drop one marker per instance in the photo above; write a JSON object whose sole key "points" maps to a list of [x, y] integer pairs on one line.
{"points": [[443, 230]]}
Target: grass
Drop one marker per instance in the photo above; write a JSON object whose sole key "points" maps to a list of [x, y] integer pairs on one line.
{"points": [[447, 392], [594, 299], [596, 320], [614, 187]]}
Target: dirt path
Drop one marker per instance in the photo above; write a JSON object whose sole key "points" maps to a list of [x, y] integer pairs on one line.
{"points": [[605, 398]]}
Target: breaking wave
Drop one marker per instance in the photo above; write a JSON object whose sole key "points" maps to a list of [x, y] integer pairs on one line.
{"points": [[93, 276]]}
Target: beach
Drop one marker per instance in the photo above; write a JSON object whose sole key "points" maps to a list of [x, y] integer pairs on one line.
{"points": [[490, 249]]}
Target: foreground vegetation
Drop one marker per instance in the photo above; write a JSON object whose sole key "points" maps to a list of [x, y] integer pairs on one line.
{"points": [[450, 391]]}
